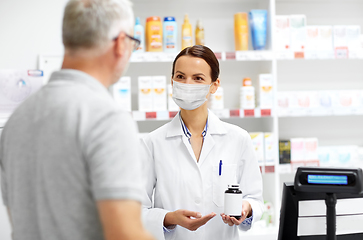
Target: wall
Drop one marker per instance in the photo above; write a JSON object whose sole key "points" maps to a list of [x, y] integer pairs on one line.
{"points": [[27, 29]]}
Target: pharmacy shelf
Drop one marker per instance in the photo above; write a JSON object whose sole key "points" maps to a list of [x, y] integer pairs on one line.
{"points": [[223, 113], [223, 56], [319, 55], [320, 112]]}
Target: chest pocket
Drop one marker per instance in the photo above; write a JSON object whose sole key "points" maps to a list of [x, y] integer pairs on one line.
{"points": [[220, 183]]}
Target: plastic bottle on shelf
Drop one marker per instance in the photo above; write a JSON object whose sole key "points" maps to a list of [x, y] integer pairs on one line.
{"points": [[241, 31], [154, 34], [187, 33], [199, 33], [247, 94], [258, 23], [216, 100], [170, 34], [139, 33]]}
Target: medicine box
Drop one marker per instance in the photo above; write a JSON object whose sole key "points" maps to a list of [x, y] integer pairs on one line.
{"points": [[122, 93], [258, 145], [159, 93], [145, 93], [266, 94]]}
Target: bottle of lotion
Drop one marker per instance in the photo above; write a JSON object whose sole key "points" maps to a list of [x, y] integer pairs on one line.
{"points": [[187, 34]]}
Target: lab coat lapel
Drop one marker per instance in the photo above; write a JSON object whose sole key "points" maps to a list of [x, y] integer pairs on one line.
{"points": [[215, 126], [208, 145], [189, 147]]}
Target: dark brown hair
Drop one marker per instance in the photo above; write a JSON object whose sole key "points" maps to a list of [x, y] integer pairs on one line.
{"points": [[204, 53]]}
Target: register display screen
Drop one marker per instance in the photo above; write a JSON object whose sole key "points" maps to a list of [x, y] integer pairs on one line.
{"points": [[328, 179]]}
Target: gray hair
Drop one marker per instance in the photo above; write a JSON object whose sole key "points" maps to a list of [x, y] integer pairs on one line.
{"points": [[91, 24]]}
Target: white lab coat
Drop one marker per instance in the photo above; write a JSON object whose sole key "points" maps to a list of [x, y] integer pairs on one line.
{"points": [[178, 181]]}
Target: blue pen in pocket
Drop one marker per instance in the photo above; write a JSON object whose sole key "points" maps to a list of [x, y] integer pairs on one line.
{"points": [[220, 167]]}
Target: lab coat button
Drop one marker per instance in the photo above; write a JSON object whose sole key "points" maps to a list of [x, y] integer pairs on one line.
{"points": [[197, 200]]}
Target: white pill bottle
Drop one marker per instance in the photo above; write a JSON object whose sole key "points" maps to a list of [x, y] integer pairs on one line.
{"points": [[233, 201]]}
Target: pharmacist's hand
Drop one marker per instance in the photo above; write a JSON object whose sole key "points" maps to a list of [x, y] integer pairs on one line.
{"points": [[246, 212], [187, 219]]}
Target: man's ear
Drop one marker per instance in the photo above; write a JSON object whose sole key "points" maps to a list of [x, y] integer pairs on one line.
{"points": [[120, 44], [215, 85]]}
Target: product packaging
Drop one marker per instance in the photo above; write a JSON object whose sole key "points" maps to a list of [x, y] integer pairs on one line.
{"points": [[266, 91], [199, 34], [311, 149], [325, 38], [139, 33], [297, 149], [154, 34], [298, 32], [258, 24], [16, 86], [285, 151], [282, 33], [247, 95], [159, 93], [270, 146], [145, 94], [353, 38], [187, 33], [340, 36], [241, 31], [312, 38], [122, 93], [172, 106], [216, 100], [258, 145], [170, 34]]}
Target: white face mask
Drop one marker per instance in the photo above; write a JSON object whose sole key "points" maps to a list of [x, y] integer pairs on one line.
{"points": [[190, 96]]}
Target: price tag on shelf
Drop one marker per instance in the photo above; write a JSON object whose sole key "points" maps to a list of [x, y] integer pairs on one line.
{"points": [[243, 55], [150, 115], [284, 168], [152, 56], [269, 169], [218, 55], [326, 54], [230, 55], [311, 55], [284, 55], [299, 55], [249, 112], [341, 53], [137, 57], [234, 113], [168, 57], [172, 114], [265, 112], [162, 115]]}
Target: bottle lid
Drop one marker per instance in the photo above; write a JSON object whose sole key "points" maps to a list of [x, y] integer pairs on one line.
{"points": [[169, 19], [186, 18], [153, 18], [247, 82], [233, 186], [137, 21]]}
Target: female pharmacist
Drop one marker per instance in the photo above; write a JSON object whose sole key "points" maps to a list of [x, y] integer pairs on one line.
{"points": [[184, 187]]}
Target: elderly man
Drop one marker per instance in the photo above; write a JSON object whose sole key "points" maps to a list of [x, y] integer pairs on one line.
{"points": [[69, 158]]}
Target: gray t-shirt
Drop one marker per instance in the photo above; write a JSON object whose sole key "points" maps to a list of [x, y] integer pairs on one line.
{"points": [[63, 149]]}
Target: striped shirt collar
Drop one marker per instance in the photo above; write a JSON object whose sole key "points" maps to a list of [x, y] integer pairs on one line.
{"points": [[187, 132]]}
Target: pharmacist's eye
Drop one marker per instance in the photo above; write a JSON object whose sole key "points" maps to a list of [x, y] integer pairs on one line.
{"points": [[179, 76], [199, 78]]}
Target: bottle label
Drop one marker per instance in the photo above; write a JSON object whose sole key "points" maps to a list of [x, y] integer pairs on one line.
{"points": [[232, 204], [169, 37]]}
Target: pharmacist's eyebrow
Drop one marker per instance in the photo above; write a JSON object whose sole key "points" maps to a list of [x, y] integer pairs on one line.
{"points": [[180, 72], [198, 74]]}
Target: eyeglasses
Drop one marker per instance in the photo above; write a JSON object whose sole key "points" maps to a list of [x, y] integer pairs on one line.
{"points": [[135, 41]]}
